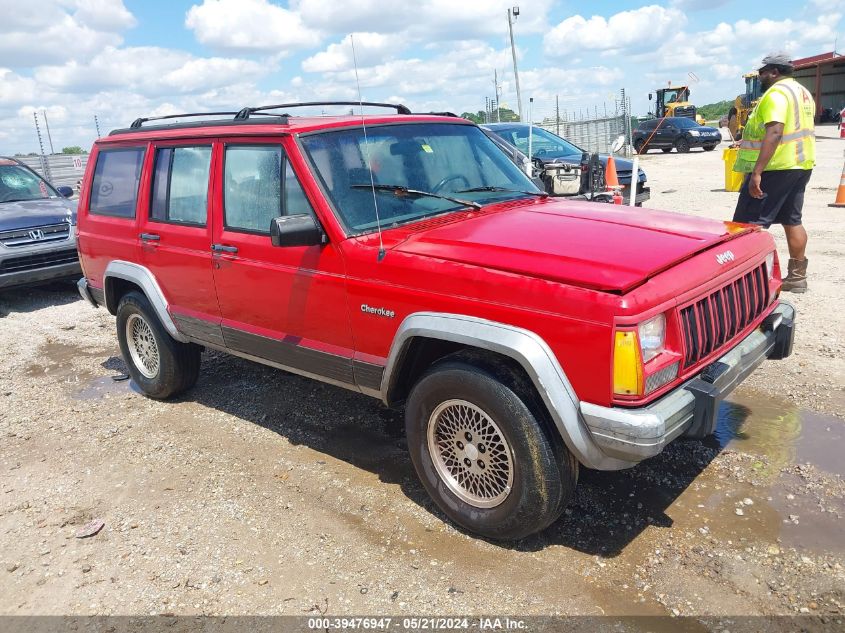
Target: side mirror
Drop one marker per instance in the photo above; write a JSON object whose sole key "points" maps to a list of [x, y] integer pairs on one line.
{"points": [[67, 192], [296, 230]]}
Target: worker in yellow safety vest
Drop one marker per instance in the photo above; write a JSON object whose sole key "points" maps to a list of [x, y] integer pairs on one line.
{"points": [[778, 152]]}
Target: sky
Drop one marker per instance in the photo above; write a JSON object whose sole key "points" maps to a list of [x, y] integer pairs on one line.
{"points": [[121, 59]]}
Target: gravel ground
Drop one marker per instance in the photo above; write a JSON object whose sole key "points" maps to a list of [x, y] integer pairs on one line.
{"points": [[260, 492]]}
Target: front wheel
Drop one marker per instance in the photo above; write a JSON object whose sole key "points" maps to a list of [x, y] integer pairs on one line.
{"points": [[483, 456], [682, 145], [639, 146], [161, 366], [666, 150]]}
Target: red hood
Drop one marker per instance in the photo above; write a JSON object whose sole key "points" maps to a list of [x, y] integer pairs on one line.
{"points": [[599, 246]]}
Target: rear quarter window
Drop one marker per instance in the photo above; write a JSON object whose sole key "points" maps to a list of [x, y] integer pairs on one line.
{"points": [[114, 188]]}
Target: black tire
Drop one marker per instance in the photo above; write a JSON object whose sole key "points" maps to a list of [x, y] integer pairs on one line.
{"points": [[709, 148], [544, 472], [639, 146], [666, 150], [178, 363], [682, 145]]}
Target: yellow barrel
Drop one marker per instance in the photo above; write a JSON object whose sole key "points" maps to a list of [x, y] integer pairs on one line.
{"points": [[733, 179]]}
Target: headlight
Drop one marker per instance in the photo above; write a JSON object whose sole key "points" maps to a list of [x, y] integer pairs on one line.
{"points": [[770, 265], [694, 133], [652, 336]]}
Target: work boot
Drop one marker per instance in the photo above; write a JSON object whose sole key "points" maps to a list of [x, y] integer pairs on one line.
{"points": [[796, 278]]}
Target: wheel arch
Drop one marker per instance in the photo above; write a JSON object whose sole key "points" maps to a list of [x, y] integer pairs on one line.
{"points": [[121, 277], [425, 337]]}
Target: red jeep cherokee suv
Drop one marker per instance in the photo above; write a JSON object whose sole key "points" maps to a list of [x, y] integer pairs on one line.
{"points": [[406, 257]]}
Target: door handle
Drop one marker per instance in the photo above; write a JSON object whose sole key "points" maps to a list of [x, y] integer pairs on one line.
{"points": [[222, 248], [150, 237]]}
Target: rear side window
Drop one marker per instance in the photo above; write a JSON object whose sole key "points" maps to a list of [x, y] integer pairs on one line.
{"points": [[180, 185], [114, 190]]}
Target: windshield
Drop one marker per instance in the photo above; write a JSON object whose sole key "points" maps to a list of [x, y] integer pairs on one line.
{"points": [[440, 158], [683, 123], [676, 95], [19, 183], [544, 144]]}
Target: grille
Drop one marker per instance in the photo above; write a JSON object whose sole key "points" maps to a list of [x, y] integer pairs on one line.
{"points": [[35, 235], [38, 260], [685, 111], [711, 322]]}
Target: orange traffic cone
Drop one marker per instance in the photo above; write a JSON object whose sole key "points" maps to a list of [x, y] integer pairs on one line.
{"points": [[611, 180], [610, 177], [840, 192]]}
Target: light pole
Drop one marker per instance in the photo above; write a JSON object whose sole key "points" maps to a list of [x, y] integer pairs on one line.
{"points": [[513, 14]]}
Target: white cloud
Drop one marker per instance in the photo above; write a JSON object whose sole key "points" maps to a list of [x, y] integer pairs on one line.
{"points": [[15, 89], [148, 70], [432, 20], [54, 30], [249, 25], [108, 15], [646, 27], [370, 49]]}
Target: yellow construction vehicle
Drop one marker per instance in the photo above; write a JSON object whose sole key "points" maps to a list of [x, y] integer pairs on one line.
{"points": [[674, 101], [744, 104]]}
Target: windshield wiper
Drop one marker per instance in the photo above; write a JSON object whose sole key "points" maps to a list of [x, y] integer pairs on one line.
{"points": [[541, 194], [399, 189]]}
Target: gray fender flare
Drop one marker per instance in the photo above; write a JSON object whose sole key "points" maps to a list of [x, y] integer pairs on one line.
{"points": [[523, 346], [142, 277]]}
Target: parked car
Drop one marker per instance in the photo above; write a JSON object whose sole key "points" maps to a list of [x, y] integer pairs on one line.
{"points": [[671, 132], [37, 228], [559, 164], [412, 261]]}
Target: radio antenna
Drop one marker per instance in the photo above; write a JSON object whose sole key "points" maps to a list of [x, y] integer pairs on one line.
{"points": [[381, 251]]}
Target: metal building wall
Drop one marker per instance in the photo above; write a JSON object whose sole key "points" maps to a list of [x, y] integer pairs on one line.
{"points": [[58, 169]]}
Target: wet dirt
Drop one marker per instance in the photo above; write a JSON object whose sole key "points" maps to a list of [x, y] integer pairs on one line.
{"points": [[256, 475]]}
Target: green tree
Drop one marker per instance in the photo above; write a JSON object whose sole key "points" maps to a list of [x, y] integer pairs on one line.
{"points": [[475, 118], [73, 149]]}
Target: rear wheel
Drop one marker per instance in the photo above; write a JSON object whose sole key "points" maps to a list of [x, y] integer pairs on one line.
{"points": [[709, 148], [666, 150], [483, 456], [160, 365], [682, 145]]}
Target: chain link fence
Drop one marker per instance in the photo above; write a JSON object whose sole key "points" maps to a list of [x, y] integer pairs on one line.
{"points": [[594, 129]]}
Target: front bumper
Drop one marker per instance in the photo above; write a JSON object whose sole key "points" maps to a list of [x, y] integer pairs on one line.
{"points": [[701, 141], [691, 409], [40, 275]]}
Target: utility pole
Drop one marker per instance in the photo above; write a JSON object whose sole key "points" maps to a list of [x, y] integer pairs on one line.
{"points": [[557, 115], [498, 91], [45, 166], [47, 125], [515, 13]]}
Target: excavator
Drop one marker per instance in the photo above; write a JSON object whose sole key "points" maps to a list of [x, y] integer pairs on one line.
{"points": [[744, 104], [674, 101]]}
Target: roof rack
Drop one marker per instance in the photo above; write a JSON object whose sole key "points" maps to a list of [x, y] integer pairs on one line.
{"points": [[140, 121], [243, 116], [246, 112]]}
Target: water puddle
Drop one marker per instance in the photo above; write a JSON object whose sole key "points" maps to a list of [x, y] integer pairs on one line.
{"points": [[761, 425], [794, 506], [106, 386]]}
